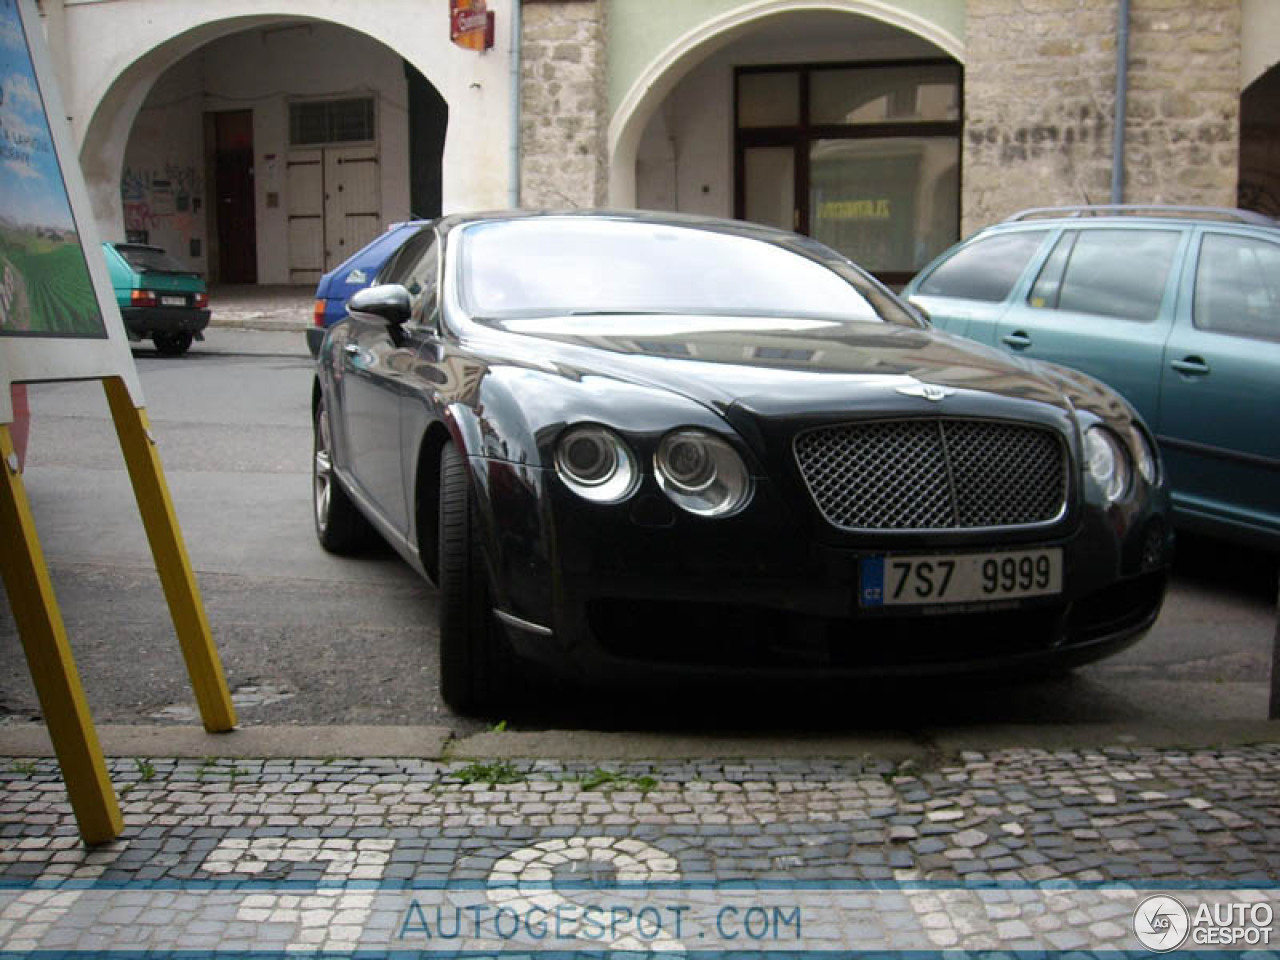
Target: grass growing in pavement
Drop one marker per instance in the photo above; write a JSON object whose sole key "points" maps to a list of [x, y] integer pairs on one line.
{"points": [[499, 771]]}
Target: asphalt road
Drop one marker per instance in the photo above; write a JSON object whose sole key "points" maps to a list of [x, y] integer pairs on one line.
{"points": [[307, 638]]}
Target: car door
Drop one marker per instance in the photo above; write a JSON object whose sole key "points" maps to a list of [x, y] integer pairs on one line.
{"points": [[968, 290], [1219, 420], [1102, 302], [377, 374]]}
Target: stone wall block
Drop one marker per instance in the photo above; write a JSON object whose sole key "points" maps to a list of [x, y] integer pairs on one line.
{"points": [[564, 127], [1039, 89]]}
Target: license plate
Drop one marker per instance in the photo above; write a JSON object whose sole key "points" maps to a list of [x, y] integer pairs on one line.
{"points": [[173, 301], [913, 580]]}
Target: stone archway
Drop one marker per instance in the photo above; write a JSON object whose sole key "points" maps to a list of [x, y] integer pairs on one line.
{"points": [[110, 60], [656, 81]]}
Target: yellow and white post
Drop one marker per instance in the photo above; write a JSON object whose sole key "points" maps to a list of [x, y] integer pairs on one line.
{"points": [[172, 563], [53, 668]]}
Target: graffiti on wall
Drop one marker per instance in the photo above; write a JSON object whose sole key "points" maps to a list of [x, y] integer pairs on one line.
{"points": [[166, 200]]}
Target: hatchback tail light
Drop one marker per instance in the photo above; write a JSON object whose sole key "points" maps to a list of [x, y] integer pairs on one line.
{"points": [[143, 298], [202, 300], [317, 313]]}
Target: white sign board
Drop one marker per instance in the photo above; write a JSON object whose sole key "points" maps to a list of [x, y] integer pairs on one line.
{"points": [[58, 316]]}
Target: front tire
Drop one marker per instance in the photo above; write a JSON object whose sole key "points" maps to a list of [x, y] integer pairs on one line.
{"points": [[340, 527], [475, 659]]}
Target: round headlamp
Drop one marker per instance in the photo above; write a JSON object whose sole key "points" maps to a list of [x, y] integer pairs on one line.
{"points": [[596, 465], [701, 473], [1144, 452], [1107, 462]]}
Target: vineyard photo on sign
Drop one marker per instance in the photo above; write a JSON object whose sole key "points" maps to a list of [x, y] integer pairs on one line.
{"points": [[45, 287]]}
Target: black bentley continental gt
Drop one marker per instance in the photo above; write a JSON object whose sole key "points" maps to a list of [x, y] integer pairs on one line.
{"points": [[633, 445]]}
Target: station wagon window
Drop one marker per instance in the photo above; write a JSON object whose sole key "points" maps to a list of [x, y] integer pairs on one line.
{"points": [[1238, 287], [1110, 273], [984, 270]]}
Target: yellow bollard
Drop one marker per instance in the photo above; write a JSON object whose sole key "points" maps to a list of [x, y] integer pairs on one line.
{"points": [[172, 563], [53, 668]]}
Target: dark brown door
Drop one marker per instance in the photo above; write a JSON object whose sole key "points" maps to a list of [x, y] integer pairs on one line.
{"points": [[237, 228]]}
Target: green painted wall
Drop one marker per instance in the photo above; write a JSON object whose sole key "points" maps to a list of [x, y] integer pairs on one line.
{"points": [[639, 30]]}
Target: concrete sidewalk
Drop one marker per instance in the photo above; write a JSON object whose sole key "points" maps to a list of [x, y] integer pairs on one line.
{"points": [[262, 307]]}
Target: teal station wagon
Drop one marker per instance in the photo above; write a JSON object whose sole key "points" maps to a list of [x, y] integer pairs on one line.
{"points": [[1177, 308]]}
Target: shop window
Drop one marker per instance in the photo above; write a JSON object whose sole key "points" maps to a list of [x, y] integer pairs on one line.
{"points": [[864, 157], [769, 99], [894, 95]]}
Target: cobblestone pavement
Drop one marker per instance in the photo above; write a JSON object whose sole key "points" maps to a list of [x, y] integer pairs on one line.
{"points": [[1016, 819]]}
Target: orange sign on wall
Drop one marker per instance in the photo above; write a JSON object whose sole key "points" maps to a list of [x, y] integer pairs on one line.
{"points": [[470, 24]]}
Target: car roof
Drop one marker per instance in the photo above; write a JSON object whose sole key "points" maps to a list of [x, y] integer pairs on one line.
{"points": [[788, 240], [691, 220], [1157, 212]]}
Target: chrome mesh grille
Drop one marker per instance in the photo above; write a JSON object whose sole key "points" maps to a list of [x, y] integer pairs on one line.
{"points": [[933, 474]]}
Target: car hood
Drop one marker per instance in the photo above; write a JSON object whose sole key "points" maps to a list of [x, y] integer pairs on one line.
{"points": [[776, 367]]}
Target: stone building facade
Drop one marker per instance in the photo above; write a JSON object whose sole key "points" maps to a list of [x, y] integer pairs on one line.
{"points": [[948, 114]]}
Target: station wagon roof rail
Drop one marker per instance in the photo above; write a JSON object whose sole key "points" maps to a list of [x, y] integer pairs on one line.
{"points": [[1230, 214]]}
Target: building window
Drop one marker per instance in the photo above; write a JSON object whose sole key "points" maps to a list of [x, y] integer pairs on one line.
{"points": [[864, 157], [316, 122]]}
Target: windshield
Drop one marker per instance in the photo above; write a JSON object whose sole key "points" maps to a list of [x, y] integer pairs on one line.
{"points": [[567, 266], [150, 259]]}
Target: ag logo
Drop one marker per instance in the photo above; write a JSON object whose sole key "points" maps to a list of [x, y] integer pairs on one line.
{"points": [[1161, 923]]}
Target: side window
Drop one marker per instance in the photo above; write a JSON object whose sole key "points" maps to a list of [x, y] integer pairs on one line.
{"points": [[401, 262], [420, 281], [1238, 287], [1111, 273], [986, 269]]}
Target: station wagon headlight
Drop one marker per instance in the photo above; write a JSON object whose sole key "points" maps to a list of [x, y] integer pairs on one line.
{"points": [[702, 474], [596, 465], [1107, 461]]}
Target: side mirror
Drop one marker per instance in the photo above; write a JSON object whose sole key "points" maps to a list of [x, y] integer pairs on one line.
{"points": [[389, 302]]}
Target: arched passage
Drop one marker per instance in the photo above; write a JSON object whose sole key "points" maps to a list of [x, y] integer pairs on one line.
{"points": [[153, 87], [1259, 184], [872, 67]]}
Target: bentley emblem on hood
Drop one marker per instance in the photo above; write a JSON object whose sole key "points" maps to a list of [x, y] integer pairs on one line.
{"points": [[926, 391]]}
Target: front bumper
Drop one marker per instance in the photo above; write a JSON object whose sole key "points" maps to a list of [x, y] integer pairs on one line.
{"points": [[144, 322], [642, 589]]}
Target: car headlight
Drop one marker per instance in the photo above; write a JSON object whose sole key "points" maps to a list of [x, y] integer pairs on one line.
{"points": [[1107, 461], [702, 474], [596, 465], [1144, 453]]}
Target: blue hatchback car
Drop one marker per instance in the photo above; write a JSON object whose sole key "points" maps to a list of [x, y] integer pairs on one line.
{"points": [[355, 273], [1177, 308]]}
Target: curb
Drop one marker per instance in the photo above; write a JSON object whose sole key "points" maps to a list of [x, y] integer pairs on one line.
{"points": [[265, 323], [437, 743]]}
